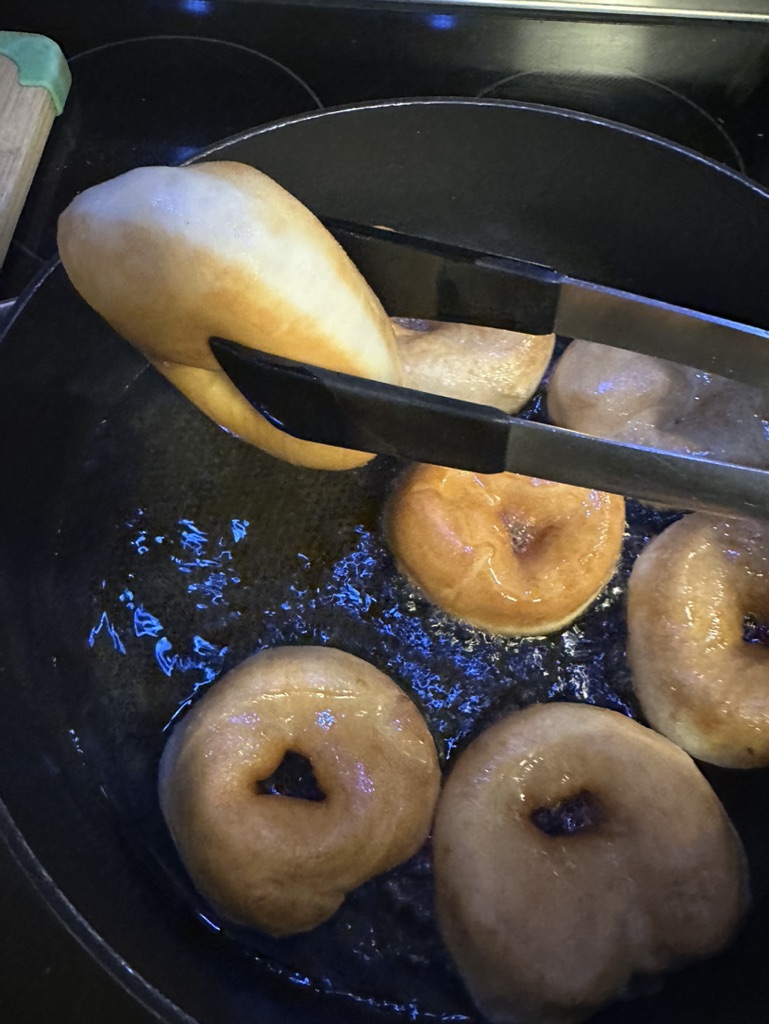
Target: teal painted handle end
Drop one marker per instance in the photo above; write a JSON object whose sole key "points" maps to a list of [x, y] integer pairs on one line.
{"points": [[40, 62]]}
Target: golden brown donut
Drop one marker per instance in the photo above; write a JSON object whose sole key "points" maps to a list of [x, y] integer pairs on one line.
{"points": [[698, 680], [281, 863], [627, 396], [477, 364], [511, 554], [575, 849], [170, 256]]}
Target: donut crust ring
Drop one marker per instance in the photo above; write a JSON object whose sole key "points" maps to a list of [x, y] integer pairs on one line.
{"points": [[697, 679], [276, 862], [510, 554], [575, 848]]}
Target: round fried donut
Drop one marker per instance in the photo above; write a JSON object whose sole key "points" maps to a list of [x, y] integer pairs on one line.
{"points": [[477, 364], [511, 554], [696, 594], [628, 396], [575, 849], [277, 862], [171, 256]]}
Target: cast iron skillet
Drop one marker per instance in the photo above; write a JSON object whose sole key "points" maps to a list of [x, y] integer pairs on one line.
{"points": [[144, 552]]}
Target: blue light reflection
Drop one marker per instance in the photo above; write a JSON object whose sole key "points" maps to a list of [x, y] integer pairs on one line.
{"points": [[442, 22], [200, 8], [195, 554], [239, 528], [111, 631], [146, 624]]}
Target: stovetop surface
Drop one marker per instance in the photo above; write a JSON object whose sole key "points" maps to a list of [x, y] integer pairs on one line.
{"points": [[154, 81]]}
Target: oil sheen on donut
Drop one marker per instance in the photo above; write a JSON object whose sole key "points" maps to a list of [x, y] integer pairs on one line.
{"points": [[698, 607], [510, 554], [279, 862], [576, 850], [631, 397], [476, 364]]}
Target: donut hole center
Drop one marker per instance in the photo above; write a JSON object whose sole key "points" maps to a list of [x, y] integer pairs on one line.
{"points": [[755, 629], [581, 812], [525, 536], [293, 778]]}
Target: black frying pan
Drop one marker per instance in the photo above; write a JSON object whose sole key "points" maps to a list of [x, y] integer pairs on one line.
{"points": [[144, 552]]}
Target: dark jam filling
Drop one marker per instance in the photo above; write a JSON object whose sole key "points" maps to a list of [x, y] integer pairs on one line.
{"points": [[755, 631], [293, 777], [578, 813]]}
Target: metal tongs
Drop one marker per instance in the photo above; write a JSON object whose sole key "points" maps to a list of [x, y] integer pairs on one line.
{"points": [[418, 278]]}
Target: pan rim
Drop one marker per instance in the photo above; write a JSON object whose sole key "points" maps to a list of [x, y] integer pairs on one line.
{"points": [[464, 101]]}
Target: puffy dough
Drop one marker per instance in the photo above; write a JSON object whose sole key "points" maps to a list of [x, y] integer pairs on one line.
{"points": [[626, 396], [476, 364], [508, 553], [574, 849], [281, 863], [171, 256], [700, 677]]}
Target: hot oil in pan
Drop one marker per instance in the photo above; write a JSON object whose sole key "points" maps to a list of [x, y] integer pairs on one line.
{"points": [[199, 551]]}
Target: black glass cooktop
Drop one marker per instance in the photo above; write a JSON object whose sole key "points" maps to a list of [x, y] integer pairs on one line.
{"points": [[155, 81]]}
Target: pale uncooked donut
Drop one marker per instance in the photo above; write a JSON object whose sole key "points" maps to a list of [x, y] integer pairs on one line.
{"points": [[171, 256], [508, 553], [280, 863], [476, 364], [626, 396], [574, 849], [697, 679]]}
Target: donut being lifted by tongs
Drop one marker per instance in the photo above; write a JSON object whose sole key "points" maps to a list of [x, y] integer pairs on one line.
{"points": [[170, 256]]}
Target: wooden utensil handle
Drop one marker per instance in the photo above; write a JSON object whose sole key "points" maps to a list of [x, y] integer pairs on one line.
{"points": [[34, 81]]}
